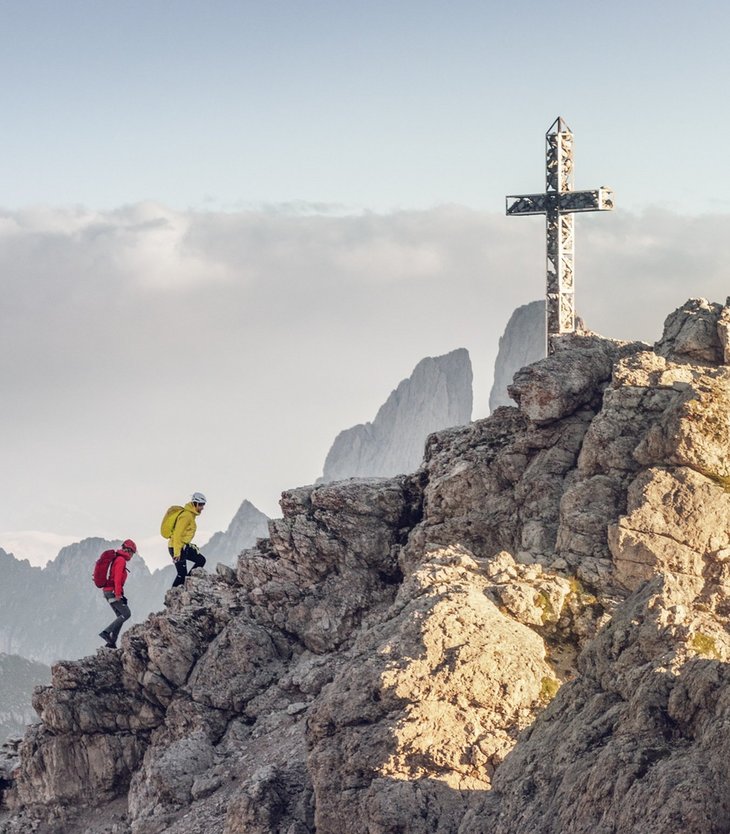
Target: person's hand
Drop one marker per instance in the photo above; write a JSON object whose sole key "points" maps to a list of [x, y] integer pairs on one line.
{"points": [[123, 599]]}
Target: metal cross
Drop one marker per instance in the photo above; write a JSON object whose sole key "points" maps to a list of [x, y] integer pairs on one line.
{"points": [[558, 204]]}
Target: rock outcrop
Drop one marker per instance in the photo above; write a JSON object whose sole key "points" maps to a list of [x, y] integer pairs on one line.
{"points": [[528, 634], [437, 395]]}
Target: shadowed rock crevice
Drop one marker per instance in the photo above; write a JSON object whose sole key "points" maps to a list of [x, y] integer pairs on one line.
{"points": [[629, 740]]}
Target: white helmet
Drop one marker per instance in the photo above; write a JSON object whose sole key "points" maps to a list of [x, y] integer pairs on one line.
{"points": [[199, 498]]}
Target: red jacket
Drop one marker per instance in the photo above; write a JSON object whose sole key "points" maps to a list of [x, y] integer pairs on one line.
{"points": [[118, 573]]}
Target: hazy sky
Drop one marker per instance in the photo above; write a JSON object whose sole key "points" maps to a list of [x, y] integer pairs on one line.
{"points": [[229, 229]]}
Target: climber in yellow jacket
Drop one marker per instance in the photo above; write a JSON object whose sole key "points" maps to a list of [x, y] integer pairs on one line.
{"points": [[180, 545]]}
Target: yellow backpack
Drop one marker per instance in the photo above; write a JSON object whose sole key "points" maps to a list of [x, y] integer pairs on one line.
{"points": [[169, 520]]}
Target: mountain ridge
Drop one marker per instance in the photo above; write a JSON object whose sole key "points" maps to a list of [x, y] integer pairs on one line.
{"points": [[436, 395], [528, 633]]}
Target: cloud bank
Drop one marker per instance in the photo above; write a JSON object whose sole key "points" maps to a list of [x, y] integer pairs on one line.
{"points": [[147, 352]]}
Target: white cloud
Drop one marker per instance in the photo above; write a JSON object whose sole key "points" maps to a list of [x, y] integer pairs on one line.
{"points": [[37, 547], [146, 353]]}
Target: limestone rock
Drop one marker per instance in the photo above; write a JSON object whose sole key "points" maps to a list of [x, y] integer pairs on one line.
{"points": [[568, 380], [675, 521], [335, 558], [530, 633], [723, 332], [691, 333], [640, 742], [433, 696]]}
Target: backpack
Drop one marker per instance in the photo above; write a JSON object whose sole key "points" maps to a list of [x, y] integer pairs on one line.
{"points": [[169, 520], [102, 567]]}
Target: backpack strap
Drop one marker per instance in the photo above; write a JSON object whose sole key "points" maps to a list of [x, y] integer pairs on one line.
{"points": [[112, 562]]}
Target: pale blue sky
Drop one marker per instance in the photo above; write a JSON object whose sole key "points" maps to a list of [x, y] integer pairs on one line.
{"points": [[229, 229], [374, 105]]}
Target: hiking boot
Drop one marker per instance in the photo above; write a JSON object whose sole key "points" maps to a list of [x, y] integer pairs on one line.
{"points": [[108, 639]]}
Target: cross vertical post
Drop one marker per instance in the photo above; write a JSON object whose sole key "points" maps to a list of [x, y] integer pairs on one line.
{"points": [[558, 204]]}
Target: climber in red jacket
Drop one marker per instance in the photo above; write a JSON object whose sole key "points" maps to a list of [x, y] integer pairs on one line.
{"points": [[114, 592]]}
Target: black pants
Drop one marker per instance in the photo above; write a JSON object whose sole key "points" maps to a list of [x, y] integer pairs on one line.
{"points": [[122, 611], [189, 553]]}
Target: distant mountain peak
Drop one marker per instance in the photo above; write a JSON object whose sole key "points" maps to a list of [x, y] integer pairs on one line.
{"points": [[247, 525], [437, 395]]}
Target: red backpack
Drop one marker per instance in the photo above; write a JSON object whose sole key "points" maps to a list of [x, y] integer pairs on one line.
{"points": [[102, 568]]}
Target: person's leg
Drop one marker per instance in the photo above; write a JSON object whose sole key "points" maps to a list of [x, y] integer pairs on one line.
{"points": [[180, 567], [190, 553], [195, 556], [121, 609]]}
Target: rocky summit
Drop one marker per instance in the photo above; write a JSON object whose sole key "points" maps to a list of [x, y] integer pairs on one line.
{"points": [[528, 635]]}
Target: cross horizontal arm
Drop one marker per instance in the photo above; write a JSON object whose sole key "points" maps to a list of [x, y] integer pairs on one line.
{"points": [[600, 199]]}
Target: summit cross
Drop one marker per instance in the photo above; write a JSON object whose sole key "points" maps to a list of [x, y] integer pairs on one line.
{"points": [[558, 204]]}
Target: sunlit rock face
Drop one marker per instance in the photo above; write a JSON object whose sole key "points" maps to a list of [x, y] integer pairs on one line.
{"points": [[438, 394], [528, 634]]}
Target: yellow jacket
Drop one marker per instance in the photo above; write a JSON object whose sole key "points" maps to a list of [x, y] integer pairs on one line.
{"points": [[184, 529]]}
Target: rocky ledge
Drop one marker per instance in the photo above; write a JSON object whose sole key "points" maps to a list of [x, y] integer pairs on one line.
{"points": [[528, 634]]}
